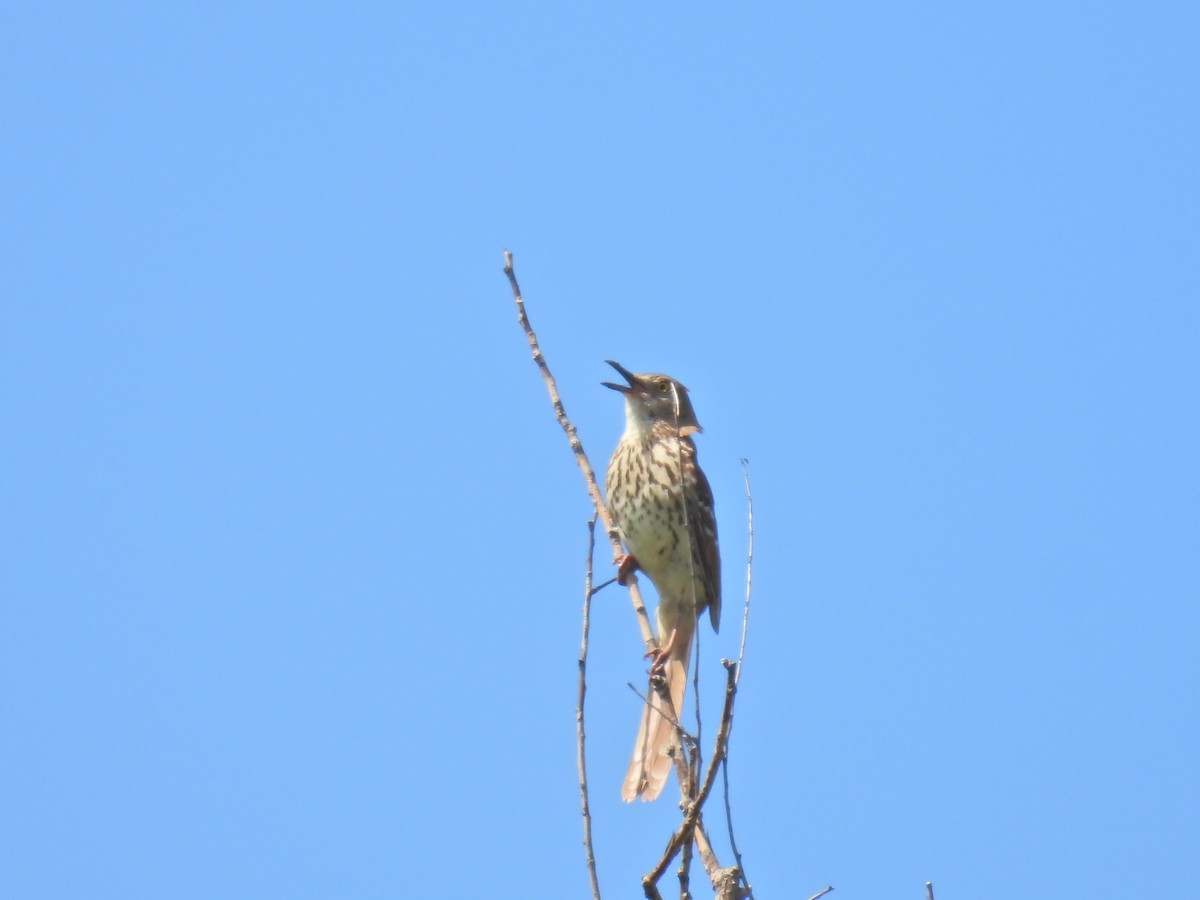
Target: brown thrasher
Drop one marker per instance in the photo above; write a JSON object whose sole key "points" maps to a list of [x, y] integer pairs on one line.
{"points": [[664, 507]]}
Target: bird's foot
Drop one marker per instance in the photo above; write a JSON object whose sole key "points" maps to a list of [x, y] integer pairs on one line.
{"points": [[658, 656], [626, 565]]}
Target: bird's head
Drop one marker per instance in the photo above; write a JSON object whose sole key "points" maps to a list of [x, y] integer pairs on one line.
{"points": [[651, 397]]}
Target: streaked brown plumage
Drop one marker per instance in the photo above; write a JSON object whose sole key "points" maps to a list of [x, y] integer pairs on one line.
{"points": [[664, 507]]}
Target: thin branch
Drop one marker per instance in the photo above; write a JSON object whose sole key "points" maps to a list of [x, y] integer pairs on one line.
{"points": [[692, 814], [602, 585], [720, 745], [580, 736], [665, 709], [699, 761], [687, 762], [691, 557], [737, 854], [685, 865], [729, 822], [585, 466], [727, 882], [708, 858], [749, 562]]}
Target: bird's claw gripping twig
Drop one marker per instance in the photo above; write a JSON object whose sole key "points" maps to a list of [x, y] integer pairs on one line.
{"points": [[626, 566]]}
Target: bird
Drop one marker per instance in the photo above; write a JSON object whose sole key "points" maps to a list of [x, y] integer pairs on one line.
{"points": [[663, 506]]}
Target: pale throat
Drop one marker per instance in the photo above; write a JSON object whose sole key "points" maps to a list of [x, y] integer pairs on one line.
{"points": [[639, 423]]}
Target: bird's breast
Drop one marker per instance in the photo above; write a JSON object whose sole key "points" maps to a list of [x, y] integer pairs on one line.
{"points": [[646, 497]]}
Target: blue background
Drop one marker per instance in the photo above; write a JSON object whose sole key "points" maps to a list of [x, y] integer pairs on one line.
{"points": [[293, 547]]}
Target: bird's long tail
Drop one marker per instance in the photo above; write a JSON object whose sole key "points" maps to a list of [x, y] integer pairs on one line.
{"points": [[651, 761]]}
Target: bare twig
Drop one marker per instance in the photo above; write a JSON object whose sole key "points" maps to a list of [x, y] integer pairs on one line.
{"points": [[602, 585], [699, 760], [665, 708], [708, 858], [691, 558], [692, 813], [737, 854], [727, 881], [585, 466], [749, 561], [580, 736], [685, 865], [729, 821], [720, 745]]}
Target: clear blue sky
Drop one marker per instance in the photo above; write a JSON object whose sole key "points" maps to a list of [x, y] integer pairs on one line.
{"points": [[292, 546]]}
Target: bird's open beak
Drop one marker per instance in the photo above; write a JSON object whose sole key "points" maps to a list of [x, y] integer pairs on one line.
{"points": [[626, 374]]}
